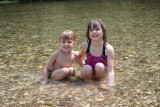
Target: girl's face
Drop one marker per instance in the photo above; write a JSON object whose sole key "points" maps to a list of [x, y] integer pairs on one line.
{"points": [[66, 45], [95, 33]]}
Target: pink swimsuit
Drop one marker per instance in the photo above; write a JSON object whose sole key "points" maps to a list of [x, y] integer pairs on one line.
{"points": [[92, 60]]}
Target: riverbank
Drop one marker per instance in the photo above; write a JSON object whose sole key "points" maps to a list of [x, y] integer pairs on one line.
{"points": [[9, 2]]}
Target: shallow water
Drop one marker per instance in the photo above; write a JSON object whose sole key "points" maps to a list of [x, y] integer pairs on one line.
{"points": [[29, 35]]}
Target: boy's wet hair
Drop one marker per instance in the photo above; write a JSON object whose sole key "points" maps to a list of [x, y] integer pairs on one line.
{"points": [[95, 24], [67, 35]]}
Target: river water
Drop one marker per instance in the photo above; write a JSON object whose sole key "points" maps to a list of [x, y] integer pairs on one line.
{"points": [[29, 35]]}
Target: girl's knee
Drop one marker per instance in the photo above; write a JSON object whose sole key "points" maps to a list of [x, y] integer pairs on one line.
{"points": [[100, 71], [86, 68], [86, 72], [99, 66]]}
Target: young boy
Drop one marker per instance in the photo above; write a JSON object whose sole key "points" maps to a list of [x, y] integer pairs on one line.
{"points": [[59, 65]]}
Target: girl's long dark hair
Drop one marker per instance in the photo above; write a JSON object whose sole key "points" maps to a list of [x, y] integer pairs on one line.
{"points": [[96, 23]]}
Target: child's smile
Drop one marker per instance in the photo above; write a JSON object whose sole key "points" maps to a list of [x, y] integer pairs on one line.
{"points": [[95, 33], [66, 45], [95, 36]]}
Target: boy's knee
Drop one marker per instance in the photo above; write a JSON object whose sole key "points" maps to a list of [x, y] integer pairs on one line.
{"points": [[65, 71], [71, 71]]}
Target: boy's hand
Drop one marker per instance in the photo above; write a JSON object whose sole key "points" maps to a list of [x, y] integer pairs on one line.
{"points": [[71, 78]]}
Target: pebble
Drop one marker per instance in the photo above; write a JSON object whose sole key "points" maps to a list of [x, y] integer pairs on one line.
{"points": [[48, 103]]}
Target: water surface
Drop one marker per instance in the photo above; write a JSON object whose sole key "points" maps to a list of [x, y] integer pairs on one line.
{"points": [[29, 35]]}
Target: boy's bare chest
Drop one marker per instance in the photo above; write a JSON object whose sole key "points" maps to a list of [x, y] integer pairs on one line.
{"points": [[65, 60]]}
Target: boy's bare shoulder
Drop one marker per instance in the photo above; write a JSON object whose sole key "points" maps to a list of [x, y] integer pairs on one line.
{"points": [[56, 53]]}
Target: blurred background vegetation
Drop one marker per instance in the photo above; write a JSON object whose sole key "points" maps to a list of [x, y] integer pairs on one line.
{"points": [[22, 1]]}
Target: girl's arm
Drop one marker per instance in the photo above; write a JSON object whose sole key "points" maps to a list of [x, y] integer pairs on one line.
{"points": [[110, 62], [47, 67]]}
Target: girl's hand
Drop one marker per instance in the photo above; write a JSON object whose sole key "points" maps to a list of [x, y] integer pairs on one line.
{"points": [[44, 82], [110, 85]]}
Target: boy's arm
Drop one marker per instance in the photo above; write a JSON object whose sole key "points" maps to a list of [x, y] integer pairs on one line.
{"points": [[82, 49], [78, 59], [47, 67], [110, 68]]}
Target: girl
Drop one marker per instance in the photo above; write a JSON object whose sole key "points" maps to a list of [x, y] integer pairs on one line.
{"points": [[59, 65], [99, 54]]}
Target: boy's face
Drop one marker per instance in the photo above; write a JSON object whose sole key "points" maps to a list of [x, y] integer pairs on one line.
{"points": [[66, 45]]}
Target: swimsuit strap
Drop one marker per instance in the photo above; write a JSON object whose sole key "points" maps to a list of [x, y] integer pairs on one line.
{"points": [[103, 51], [88, 48], [104, 47]]}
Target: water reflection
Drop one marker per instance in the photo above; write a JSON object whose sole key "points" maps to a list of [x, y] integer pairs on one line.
{"points": [[28, 35]]}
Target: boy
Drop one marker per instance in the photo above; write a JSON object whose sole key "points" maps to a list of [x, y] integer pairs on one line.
{"points": [[59, 65]]}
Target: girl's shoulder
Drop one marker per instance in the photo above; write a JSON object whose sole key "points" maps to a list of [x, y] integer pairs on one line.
{"points": [[84, 44], [109, 49], [109, 46]]}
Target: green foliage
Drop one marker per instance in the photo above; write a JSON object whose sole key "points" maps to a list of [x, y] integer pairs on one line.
{"points": [[9, 1], [22, 1]]}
